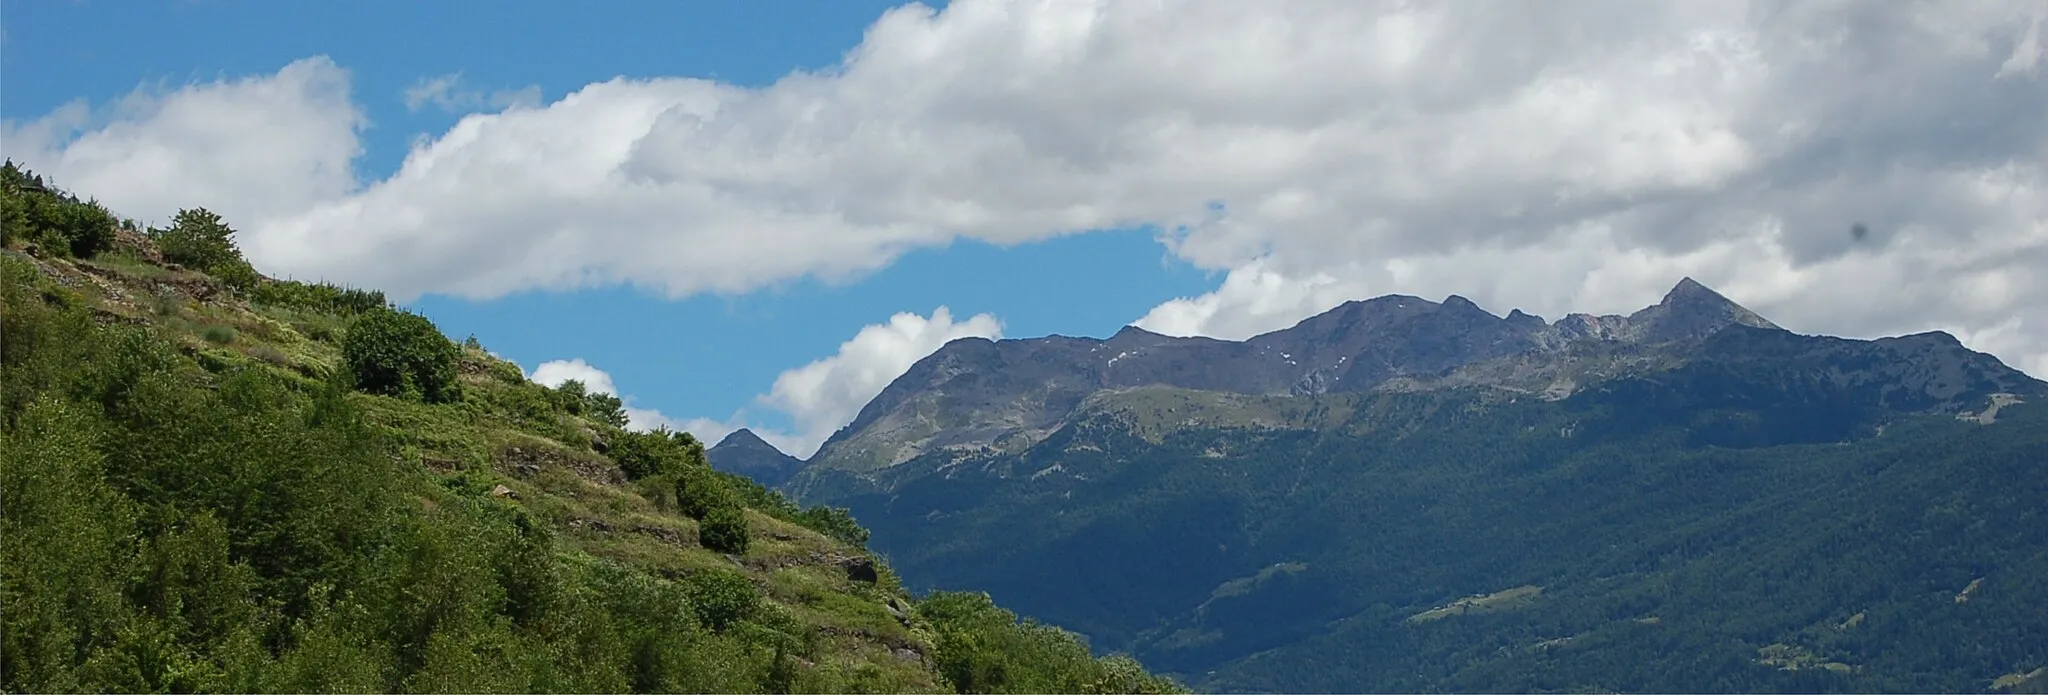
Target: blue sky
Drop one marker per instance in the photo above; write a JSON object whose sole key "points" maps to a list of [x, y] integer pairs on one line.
{"points": [[759, 208], [706, 355]]}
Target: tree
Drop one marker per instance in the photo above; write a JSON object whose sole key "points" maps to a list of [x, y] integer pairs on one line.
{"points": [[200, 239], [399, 353], [55, 220], [87, 228], [659, 452], [608, 409]]}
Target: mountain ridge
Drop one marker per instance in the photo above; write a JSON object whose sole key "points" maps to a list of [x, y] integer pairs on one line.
{"points": [[975, 393]]}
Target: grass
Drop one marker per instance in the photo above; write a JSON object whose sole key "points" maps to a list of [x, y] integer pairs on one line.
{"points": [[218, 335], [1508, 599], [2012, 681]]}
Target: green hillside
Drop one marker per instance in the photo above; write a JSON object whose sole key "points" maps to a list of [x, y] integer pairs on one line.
{"points": [[1711, 528], [215, 481]]}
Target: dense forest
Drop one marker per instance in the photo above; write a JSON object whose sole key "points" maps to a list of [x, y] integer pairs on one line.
{"points": [[1707, 530], [211, 480]]}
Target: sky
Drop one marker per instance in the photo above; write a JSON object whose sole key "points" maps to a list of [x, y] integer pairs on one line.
{"points": [[759, 213]]}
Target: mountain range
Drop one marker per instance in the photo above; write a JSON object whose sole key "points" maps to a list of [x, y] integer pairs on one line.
{"points": [[1401, 494], [974, 394]]}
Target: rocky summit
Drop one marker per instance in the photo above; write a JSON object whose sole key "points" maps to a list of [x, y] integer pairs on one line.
{"points": [[745, 453]]}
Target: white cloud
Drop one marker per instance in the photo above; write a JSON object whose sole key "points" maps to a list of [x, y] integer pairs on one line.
{"points": [[256, 150], [554, 372], [446, 93], [819, 397], [1359, 147]]}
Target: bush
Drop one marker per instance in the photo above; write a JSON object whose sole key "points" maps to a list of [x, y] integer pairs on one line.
{"points": [[835, 522], [983, 648], [569, 396], [199, 239], [218, 335], [575, 398], [323, 297], [398, 353], [721, 597], [648, 454], [87, 228], [699, 491], [57, 221], [725, 530]]}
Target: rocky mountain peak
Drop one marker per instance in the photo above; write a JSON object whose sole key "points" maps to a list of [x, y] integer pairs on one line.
{"points": [[1691, 310], [1461, 305], [744, 438], [1526, 321], [745, 453], [1130, 336]]}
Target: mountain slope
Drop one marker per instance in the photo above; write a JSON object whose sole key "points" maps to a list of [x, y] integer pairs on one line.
{"points": [[745, 453], [1400, 495], [216, 481]]}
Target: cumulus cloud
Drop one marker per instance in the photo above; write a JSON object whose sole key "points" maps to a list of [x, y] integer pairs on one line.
{"points": [[819, 397], [257, 150], [446, 93], [1568, 155]]}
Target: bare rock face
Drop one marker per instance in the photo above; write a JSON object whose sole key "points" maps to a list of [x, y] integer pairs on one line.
{"points": [[976, 395]]}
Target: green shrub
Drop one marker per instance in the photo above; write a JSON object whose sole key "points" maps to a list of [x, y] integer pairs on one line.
{"points": [[218, 335], [607, 408], [835, 522], [199, 239], [575, 398], [57, 221], [724, 529], [983, 648], [569, 396], [398, 353], [648, 454], [164, 303], [87, 228], [699, 491], [322, 297], [721, 597]]}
